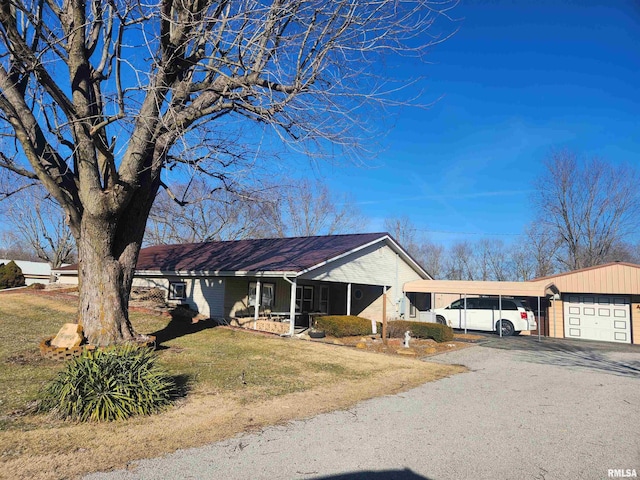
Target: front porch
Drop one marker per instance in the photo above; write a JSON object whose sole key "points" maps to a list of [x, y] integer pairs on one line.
{"points": [[286, 306]]}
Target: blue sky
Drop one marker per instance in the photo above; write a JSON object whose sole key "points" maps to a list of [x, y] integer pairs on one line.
{"points": [[517, 80]]}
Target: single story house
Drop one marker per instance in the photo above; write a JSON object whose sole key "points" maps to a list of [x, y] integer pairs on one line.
{"points": [[34, 272], [596, 303], [286, 279]]}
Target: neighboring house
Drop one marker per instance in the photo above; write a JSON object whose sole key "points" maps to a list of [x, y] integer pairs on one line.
{"points": [[34, 272], [596, 303], [281, 278]]}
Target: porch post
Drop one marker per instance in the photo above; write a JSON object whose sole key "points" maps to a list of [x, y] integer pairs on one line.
{"points": [[384, 314], [348, 299], [257, 304], [292, 308]]}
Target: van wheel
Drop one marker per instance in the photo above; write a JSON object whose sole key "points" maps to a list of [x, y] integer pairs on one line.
{"points": [[441, 320], [507, 328]]}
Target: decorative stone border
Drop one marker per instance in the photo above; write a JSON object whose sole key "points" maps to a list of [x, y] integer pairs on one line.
{"points": [[61, 354]]}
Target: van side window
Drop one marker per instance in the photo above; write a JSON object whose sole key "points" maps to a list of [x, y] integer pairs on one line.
{"points": [[509, 305], [472, 303], [457, 305], [488, 303]]}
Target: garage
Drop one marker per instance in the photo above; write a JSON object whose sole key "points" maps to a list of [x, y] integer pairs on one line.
{"points": [[605, 318]]}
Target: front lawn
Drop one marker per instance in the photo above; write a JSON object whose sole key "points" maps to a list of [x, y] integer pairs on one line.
{"points": [[234, 381]]}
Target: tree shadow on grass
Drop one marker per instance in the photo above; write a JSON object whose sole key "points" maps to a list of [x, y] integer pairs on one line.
{"points": [[596, 356], [181, 388], [183, 322]]}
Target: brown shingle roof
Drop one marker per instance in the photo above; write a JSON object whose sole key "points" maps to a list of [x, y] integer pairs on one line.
{"points": [[263, 255]]}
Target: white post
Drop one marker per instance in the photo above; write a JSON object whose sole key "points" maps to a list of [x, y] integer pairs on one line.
{"points": [[374, 327], [554, 316], [292, 308], [465, 313], [500, 307], [538, 323], [348, 299], [257, 304]]}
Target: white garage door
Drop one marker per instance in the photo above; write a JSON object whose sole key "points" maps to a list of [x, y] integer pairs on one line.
{"points": [[597, 317]]}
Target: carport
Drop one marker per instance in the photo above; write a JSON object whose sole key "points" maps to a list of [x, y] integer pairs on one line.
{"points": [[539, 289]]}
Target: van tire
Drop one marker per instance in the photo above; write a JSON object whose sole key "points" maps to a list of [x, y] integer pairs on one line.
{"points": [[441, 320], [507, 328]]}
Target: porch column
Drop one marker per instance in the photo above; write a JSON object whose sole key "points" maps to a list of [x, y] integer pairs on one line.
{"points": [[257, 304], [292, 308], [348, 299]]}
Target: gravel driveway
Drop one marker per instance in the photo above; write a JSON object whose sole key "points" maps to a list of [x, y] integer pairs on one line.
{"points": [[555, 410]]}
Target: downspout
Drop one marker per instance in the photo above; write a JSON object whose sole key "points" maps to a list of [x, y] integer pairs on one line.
{"points": [[399, 295]]}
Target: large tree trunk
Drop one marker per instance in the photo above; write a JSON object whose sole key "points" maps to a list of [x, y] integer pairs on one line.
{"points": [[104, 283], [108, 248]]}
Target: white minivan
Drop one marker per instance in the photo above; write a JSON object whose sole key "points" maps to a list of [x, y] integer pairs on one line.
{"points": [[483, 313]]}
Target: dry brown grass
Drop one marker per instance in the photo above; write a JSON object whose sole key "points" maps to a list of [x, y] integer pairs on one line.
{"points": [[285, 380]]}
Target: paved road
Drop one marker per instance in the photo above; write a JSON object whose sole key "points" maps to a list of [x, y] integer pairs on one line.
{"points": [[555, 410]]}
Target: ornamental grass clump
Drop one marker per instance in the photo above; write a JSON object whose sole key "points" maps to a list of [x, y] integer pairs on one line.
{"points": [[109, 384]]}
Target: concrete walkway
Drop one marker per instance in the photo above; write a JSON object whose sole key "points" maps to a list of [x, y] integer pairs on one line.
{"points": [[554, 410]]}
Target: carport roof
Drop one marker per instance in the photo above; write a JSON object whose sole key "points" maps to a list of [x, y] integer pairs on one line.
{"points": [[540, 288]]}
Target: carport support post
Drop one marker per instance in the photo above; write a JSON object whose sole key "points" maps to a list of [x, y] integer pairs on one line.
{"points": [[465, 313], [500, 307], [257, 304], [348, 299], [538, 318], [554, 316]]}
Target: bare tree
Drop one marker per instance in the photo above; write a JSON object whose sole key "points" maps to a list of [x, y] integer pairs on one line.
{"points": [[433, 258], [40, 224], [201, 215], [101, 98], [306, 208], [12, 248], [277, 210], [461, 264], [403, 230], [589, 205]]}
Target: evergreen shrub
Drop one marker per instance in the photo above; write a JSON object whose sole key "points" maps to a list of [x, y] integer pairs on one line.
{"points": [[435, 331]]}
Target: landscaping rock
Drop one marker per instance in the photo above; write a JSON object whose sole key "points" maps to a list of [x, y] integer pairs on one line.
{"points": [[406, 351]]}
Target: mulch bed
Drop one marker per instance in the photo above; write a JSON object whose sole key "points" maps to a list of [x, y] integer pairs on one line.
{"points": [[395, 346]]}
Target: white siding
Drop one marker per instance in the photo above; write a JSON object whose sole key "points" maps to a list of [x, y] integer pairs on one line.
{"points": [[208, 296], [375, 265], [152, 282], [67, 279]]}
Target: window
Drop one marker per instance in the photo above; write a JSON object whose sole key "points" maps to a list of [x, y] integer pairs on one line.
{"points": [[267, 292], [177, 290], [304, 298], [324, 299], [412, 305]]}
